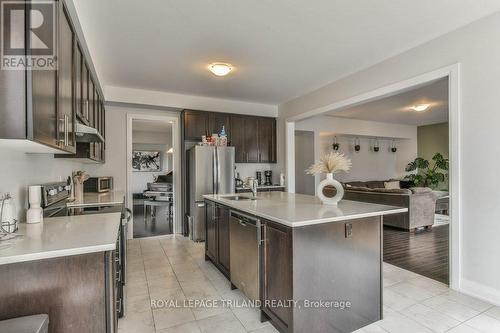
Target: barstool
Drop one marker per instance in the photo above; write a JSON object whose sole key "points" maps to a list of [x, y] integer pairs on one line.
{"points": [[152, 204]]}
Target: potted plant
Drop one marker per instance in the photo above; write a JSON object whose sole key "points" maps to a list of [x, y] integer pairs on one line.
{"points": [[428, 175], [330, 163]]}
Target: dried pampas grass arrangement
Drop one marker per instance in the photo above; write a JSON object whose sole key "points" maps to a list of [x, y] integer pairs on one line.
{"points": [[330, 163]]}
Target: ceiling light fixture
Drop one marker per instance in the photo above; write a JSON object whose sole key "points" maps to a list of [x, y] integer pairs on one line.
{"points": [[420, 107], [220, 68]]}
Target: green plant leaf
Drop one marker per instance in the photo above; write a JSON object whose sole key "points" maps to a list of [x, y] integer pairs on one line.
{"points": [[421, 163]]}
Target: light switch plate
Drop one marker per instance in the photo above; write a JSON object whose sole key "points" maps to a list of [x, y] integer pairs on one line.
{"points": [[348, 230]]}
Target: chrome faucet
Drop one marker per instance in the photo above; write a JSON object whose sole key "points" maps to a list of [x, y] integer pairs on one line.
{"points": [[253, 186]]}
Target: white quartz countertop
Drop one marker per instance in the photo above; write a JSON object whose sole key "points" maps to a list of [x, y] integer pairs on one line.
{"points": [[298, 210], [62, 236], [113, 198], [259, 187]]}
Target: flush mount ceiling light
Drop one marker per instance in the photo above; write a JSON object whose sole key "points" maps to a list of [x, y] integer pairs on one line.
{"points": [[220, 68], [420, 107]]}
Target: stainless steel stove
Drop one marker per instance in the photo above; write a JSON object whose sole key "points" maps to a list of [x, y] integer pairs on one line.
{"points": [[54, 203]]}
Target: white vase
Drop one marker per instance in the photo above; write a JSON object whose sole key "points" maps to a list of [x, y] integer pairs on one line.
{"points": [[329, 181]]}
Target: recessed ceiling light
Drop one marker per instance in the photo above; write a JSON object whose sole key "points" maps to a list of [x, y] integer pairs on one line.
{"points": [[220, 68], [420, 107]]}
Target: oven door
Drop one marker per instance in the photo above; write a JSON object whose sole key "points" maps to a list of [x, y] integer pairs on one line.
{"points": [[56, 210]]}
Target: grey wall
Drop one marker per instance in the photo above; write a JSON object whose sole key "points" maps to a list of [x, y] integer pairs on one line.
{"points": [[116, 138], [304, 157], [18, 170]]}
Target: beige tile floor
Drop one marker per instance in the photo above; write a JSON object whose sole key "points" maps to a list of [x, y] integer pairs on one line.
{"points": [[174, 268]]}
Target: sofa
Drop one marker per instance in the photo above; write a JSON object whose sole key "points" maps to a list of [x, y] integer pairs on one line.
{"points": [[420, 201]]}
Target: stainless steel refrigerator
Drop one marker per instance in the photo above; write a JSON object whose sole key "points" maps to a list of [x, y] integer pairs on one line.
{"points": [[211, 171]]}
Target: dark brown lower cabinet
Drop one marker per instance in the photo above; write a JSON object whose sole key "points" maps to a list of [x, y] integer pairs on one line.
{"points": [[217, 235], [331, 271], [71, 290], [276, 277], [223, 237], [211, 231]]}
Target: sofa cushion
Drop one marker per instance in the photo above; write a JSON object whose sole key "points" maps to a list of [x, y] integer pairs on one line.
{"points": [[369, 184], [393, 184], [355, 184], [379, 190]]}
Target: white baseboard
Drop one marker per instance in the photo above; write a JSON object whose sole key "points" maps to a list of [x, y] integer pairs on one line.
{"points": [[485, 293]]}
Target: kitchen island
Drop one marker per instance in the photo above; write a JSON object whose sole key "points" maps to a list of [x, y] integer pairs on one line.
{"points": [[319, 267], [65, 267]]}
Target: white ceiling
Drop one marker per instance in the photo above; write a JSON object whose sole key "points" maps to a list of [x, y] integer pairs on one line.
{"points": [[397, 108], [281, 48], [152, 126]]}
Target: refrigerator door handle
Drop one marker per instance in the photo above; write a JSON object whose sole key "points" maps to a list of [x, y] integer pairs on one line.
{"points": [[215, 174], [217, 170]]}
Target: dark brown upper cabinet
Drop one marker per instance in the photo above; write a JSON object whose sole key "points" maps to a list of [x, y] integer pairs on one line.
{"points": [[195, 125], [91, 101], [80, 110], [37, 105], [65, 81], [217, 120], [85, 93], [254, 138], [267, 140], [238, 138], [251, 140]]}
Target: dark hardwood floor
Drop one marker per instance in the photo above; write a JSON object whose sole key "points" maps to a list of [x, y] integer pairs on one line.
{"points": [[424, 252], [154, 227]]}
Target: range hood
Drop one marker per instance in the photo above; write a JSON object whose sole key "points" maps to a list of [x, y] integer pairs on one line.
{"points": [[86, 133]]}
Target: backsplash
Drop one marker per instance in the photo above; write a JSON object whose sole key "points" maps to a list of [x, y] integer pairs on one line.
{"points": [[249, 170], [19, 170]]}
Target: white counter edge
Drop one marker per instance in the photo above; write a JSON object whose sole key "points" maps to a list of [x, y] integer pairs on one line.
{"points": [[56, 254], [309, 222]]}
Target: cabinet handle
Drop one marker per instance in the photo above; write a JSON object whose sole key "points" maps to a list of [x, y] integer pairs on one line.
{"points": [[247, 156], [118, 304], [87, 109], [62, 141], [66, 130]]}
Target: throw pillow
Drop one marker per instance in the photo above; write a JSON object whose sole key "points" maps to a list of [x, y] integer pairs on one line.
{"points": [[392, 185]]}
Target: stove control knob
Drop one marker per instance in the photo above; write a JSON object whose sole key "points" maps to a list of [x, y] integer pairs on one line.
{"points": [[52, 191]]}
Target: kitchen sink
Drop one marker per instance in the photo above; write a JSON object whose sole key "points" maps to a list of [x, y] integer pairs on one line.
{"points": [[239, 198]]}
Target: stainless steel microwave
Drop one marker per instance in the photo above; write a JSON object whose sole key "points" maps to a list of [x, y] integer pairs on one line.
{"points": [[98, 184]]}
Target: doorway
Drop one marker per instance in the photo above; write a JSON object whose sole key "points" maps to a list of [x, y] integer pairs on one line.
{"points": [[152, 179], [451, 207]]}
